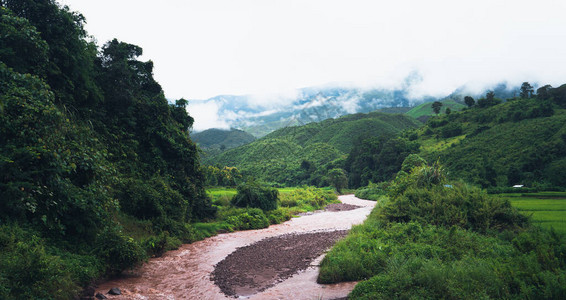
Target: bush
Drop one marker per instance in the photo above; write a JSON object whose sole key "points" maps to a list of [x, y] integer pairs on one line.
{"points": [[278, 216], [451, 130], [155, 246], [254, 195], [374, 192], [457, 205], [28, 271], [249, 218], [118, 251], [412, 161], [307, 199]]}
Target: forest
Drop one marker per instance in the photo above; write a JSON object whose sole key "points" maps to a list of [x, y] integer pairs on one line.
{"points": [[91, 152]]}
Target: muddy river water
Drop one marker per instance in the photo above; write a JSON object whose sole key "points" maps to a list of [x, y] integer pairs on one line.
{"points": [[185, 273]]}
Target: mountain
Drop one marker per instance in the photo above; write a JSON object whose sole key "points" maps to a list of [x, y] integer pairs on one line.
{"points": [[221, 139], [521, 141], [260, 115], [303, 154]]}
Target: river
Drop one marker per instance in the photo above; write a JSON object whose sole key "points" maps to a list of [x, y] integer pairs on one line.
{"points": [[185, 273]]}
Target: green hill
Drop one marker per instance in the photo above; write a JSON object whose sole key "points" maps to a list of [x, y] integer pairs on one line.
{"points": [[425, 109], [517, 142], [303, 154], [222, 139]]}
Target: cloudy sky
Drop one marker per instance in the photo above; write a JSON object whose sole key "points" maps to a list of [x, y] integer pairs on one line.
{"points": [[206, 48]]}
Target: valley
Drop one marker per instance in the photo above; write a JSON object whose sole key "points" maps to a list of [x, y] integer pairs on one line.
{"points": [[430, 176]]}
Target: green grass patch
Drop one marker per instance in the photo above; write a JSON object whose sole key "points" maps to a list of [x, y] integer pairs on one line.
{"points": [[425, 109], [221, 191], [307, 199], [547, 209]]}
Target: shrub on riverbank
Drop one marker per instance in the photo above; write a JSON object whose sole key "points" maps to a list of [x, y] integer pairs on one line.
{"points": [[373, 191], [432, 240], [307, 199], [254, 195]]}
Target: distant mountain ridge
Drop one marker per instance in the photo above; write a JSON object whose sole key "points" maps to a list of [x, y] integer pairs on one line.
{"points": [[253, 115]]}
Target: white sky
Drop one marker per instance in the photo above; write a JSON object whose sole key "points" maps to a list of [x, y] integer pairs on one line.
{"points": [[201, 49]]}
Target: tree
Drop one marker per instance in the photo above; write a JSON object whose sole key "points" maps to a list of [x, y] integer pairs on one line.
{"points": [[70, 70], [469, 101], [252, 194], [338, 179], [21, 46], [526, 90], [489, 100], [412, 161], [436, 107], [543, 93], [448, 111]]}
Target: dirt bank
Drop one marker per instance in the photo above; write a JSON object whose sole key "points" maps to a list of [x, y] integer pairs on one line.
{"points": [[341, 207]]}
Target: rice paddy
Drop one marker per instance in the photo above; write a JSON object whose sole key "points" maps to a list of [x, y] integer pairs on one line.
{"points": [[547, 209]]}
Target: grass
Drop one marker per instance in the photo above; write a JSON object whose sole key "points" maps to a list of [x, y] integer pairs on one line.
{"points": [[425, 109], [547, 209], [221, 191]]}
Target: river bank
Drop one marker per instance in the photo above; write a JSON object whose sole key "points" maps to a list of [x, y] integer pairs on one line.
{"points": [[186, 273]]}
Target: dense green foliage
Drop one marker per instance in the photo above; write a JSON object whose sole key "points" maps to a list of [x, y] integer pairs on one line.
{"points": [[218, 139], [377, 159], [373, 191], [522, 141], [91, 155], [435, 241], [252, 194], [305, 154], [221, 176]]}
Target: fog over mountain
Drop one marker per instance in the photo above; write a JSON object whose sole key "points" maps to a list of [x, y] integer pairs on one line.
{"points": [[261, 114]]}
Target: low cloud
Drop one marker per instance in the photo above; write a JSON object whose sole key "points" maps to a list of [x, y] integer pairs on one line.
{"points": [[206, 115]]}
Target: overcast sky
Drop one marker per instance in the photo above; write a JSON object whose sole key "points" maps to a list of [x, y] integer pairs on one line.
{"points": [[206, 48]]}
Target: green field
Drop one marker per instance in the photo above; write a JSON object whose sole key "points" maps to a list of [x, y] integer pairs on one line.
{"points": [[425, 109], [220, 191], [223, 191], [548, 209]]}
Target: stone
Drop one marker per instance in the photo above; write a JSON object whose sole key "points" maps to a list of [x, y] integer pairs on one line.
{"points": [[115, 291]]}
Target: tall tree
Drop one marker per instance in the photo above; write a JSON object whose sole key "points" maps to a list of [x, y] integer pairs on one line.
{"points": [[469, 101], [526, 90], [543, 93], [338, 179], [436, 107]]}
